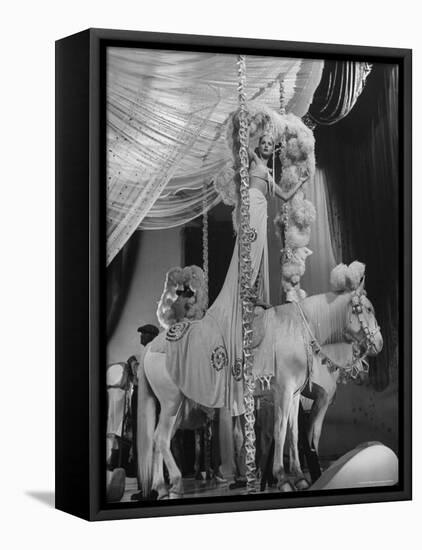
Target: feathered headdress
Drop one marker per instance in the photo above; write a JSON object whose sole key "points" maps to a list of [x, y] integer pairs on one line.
{"points": [[182, 283], [345, 277]]}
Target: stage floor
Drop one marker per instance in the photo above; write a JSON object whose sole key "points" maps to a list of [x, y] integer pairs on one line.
{"points": [[196, 488]]}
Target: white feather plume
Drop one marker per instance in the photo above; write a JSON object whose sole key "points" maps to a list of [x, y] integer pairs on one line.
{"points": [[355, 273], [338, 278]]}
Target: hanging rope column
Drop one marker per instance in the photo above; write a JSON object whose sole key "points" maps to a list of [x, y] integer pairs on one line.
{"points": [[282, 101], [245, 275], [285, 209], [205, 266]]}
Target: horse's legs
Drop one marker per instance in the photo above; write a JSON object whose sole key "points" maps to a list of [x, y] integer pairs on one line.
{"points": [[163, 439], [170, 399], [282, 405], [295, 467], [158, 482], [197, 467], [240, 451], [316, 421], [226, 444]]}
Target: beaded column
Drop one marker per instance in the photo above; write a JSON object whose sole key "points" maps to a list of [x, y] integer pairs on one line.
{"points": [[282, 99], [285, 210], [205, 243], [245, 276]]}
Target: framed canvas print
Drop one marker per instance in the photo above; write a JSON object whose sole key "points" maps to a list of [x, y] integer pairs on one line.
{"points": [[233, 274]]}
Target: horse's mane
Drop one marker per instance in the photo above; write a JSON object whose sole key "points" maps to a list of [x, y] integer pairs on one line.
{"points": [[326, 314]]}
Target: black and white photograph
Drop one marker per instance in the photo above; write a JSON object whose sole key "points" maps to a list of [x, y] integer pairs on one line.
{"points": [[253, 276], [211, 289]]}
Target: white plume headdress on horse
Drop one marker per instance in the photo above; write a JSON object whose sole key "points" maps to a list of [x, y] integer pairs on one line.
{"points": [[189, 281], [349, 277]]}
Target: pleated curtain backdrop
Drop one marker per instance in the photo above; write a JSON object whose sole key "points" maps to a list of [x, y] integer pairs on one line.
{"points": [[166, 120], [359, 155]]}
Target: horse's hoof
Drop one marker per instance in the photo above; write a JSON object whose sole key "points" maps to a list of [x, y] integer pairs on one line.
{"points": [[175, 495], [221, 480], [116, 486], [285, 487], [302, 484], [162, 495], [176, 489], [237, 484]]}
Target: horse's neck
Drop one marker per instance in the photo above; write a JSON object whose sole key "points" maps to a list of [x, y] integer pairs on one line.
{"points": [[326, 314]]}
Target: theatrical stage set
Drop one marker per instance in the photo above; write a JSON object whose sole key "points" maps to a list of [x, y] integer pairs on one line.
{"points": [[252, 274]]}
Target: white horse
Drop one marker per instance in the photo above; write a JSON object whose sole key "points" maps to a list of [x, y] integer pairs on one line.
{"points": [[321, 392], [324, 386], [330, 317]]}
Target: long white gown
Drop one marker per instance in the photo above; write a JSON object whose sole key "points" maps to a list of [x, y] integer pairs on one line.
{"points": [[226, 309], [204, 358]]}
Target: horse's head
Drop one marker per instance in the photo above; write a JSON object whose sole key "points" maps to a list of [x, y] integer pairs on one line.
{"points": [[361, 325]]}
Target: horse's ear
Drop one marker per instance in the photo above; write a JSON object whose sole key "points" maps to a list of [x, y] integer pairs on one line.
{"points": [[355, 274], [361, 286]]}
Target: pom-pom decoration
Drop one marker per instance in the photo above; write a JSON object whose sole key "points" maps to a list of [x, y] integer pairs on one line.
{"points": [[291, 272], [355, 275], [294, 167], [290, 178], [295, 154], [347, 278], [297, 158], [303, 212], [297, 237], [338, 278], [184, 296]]}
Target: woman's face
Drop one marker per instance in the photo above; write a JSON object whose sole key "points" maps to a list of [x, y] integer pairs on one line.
{"points": [[266, 146]]}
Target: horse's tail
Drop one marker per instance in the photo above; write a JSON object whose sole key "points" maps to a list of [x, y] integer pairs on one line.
{"points": [[145, 433]]}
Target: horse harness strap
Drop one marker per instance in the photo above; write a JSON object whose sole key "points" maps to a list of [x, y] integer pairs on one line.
{"points": [[313, 347], [357, 310], [309, 343]]}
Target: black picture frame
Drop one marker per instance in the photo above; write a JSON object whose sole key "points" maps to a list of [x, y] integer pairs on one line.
{"points": [[80, 272]]}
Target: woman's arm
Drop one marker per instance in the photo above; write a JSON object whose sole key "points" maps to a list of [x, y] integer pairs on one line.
{"points": [[253, 158], [287, 195]]}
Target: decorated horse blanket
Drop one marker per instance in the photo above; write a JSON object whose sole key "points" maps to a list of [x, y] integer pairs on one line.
{"points": [[197, 361]]}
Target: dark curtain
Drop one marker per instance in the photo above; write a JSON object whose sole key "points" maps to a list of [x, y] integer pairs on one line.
{"points": [[119, 276], [341, 84], [361, 158]]}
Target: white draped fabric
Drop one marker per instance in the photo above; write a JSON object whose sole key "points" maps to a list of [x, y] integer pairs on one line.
{"points": [[316, 279], [166, 122]]}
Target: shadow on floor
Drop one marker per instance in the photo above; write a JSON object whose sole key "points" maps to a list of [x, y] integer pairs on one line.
{"points": [[45, 497]]}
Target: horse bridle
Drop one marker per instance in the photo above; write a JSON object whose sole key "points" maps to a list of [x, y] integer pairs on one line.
{"points": [[368, 339], [358, 364]]}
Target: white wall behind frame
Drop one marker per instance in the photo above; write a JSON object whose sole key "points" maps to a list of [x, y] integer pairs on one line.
{"points": [[27, 227]]}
